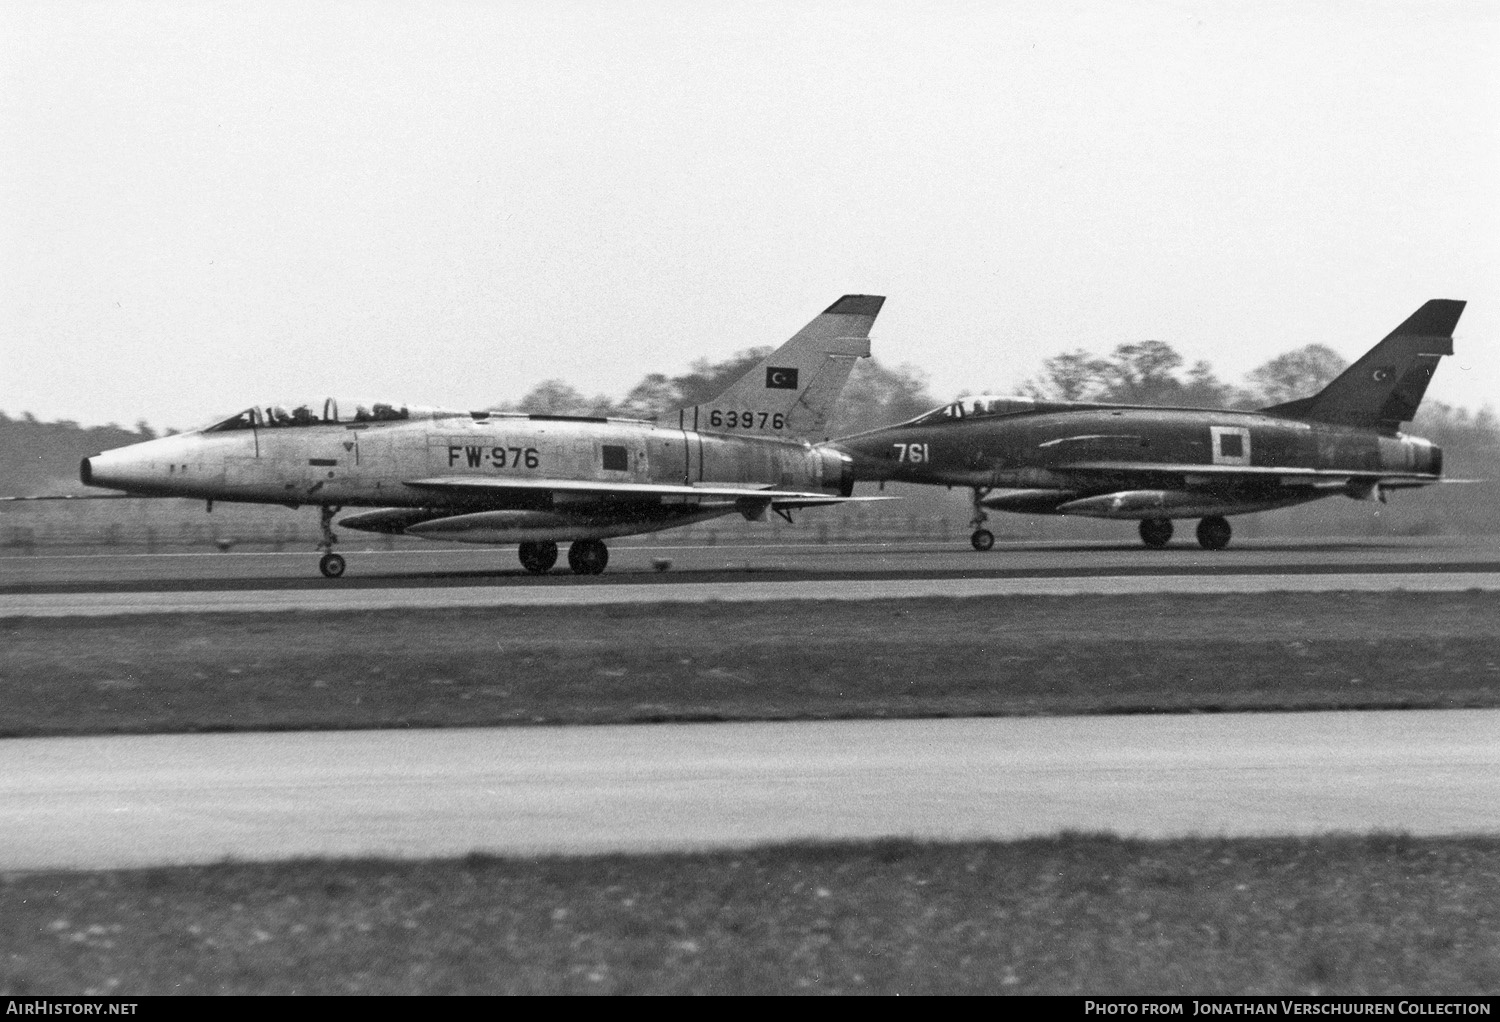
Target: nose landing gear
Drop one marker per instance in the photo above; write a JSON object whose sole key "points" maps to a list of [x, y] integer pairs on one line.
{"points": [[983, 539], [331, 564]]}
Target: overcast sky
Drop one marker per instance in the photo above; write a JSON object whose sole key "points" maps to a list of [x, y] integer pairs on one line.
{"points": [[206, 205]]}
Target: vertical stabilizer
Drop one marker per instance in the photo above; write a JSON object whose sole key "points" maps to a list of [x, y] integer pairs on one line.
{"points": [[791, 392], [1383, 389]]}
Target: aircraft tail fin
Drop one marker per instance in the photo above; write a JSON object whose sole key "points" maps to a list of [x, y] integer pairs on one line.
{"points": [[1385, 386], [792, 391]]}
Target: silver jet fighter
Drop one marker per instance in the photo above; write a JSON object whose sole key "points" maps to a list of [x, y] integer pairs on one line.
{"points": [[1155, 464], [535, 480]]}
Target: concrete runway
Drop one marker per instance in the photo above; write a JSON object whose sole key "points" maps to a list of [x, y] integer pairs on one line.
{"points": [[173, 583], [136, 801], [399, 598]]}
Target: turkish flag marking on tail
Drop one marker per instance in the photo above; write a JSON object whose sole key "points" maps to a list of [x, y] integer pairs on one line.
{"points": [[781, 379]]}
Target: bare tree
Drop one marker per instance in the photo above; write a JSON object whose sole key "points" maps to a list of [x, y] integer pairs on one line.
{"points": [[1299, 373], [1143, 372], [877, 396], [1458, 428], [706, 380], [1072, 376], [555, 397], [651, 397]]}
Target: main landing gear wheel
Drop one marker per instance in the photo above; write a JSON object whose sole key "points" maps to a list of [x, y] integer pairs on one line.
{"points": [[1214, 533], [1156, 532], [538, 558], [588, 557], [331, 565], [982, 539]]}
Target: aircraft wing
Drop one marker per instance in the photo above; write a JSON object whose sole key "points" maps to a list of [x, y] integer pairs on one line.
{"points": [[79, 496], [606, 490], [1398, 484], [1287, 476]]}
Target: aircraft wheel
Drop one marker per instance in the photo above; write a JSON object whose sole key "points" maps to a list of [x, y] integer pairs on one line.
{"points": [[982, 539], [1156, 532], [1214, 533], [538, 558], [331, 565], [588, 557]]}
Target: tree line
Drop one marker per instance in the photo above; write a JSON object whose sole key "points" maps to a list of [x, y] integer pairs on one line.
{"points": [[37, 457], [1151, 373], [874, 396], [1137, 373], [42, 457]]}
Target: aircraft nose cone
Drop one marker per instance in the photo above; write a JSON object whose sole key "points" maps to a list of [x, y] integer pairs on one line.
{"points": [[119, 469]]}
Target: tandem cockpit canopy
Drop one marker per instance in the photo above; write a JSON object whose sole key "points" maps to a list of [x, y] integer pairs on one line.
{"points": [[984, 406], [326, 412]]}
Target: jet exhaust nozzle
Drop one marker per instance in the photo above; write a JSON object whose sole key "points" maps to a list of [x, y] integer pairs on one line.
{"points": [[837, 470]]}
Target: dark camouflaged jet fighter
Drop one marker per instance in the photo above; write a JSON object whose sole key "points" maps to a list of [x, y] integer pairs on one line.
{"points": [[1156, 464]]}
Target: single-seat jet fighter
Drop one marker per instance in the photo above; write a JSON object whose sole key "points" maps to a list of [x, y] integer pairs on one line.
{"points": [[535, 480], [1156, 464]]}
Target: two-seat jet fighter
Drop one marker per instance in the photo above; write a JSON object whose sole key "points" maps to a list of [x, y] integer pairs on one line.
{"points": [[1156, 464], [535, 480]]}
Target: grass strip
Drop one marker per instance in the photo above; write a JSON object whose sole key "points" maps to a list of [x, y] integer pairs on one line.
{"points": [[1075, 914], [714, 661]]}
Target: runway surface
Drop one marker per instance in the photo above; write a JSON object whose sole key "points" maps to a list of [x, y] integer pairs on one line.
{"points": [[137, 801], [195, 582], [108, 604]]}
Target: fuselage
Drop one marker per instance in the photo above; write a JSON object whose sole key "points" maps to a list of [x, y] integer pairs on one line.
{"points": [[533, 480], [325, 461], [1060, 453]]}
